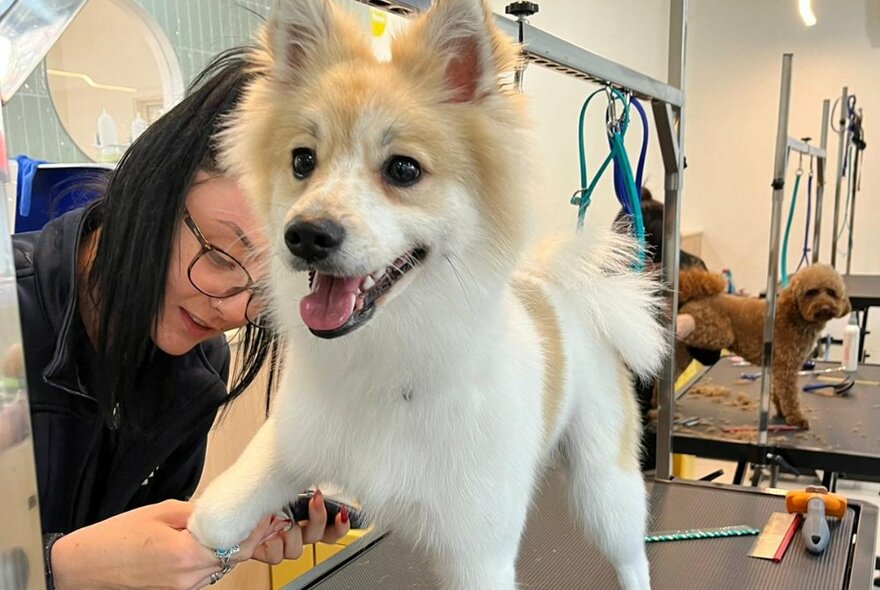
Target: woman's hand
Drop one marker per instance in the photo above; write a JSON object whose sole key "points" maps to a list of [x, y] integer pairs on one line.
{"points": [[288, 544], [150, 547]]}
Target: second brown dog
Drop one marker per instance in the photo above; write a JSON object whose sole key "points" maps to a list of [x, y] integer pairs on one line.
{"points": [[815, 295]]}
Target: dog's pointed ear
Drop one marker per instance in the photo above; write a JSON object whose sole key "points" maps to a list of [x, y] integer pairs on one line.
{"points": [[306, 36], [458, 40]]}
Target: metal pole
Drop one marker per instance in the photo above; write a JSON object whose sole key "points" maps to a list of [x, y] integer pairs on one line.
{"points": [[671, 138], [773, 264], [820, 178], [21, 553], [842, 148]]}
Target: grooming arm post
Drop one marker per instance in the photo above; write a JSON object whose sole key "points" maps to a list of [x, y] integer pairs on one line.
{"points": [[854, 189], [820, 178], [773, 264], [670, 135]]}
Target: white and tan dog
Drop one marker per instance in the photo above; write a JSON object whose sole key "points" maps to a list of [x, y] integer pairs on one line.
{"points": [[434, 368]]}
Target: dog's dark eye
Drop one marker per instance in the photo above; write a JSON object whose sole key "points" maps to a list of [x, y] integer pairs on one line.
{"points": [[402, 171], [832, 293], [304, 162], [812, 292]]}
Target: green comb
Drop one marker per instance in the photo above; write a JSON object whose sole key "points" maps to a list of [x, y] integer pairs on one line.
{"points": [[691, 534]]}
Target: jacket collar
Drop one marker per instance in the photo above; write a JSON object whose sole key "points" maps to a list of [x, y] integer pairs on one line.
{"points": [[55, 270]]}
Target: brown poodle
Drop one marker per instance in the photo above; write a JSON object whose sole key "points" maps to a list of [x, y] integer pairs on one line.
{"points": [[815, 295]]}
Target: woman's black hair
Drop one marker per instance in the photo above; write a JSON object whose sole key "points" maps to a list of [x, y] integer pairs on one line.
{"points": [[139, 216], [652, 217]]}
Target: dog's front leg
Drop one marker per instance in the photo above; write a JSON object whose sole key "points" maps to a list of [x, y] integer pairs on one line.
{"points": [[477, 547], [494, 569], [784, 387], [259, 483]]}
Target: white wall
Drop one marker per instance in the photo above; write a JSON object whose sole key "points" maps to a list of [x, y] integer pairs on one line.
{"points": [[734, 64]]}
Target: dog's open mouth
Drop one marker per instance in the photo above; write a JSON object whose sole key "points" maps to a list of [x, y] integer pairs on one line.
{"points": [[338, 305]]}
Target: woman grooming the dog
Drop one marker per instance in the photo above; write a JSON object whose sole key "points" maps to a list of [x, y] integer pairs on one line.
{"points": [[123, 308]]}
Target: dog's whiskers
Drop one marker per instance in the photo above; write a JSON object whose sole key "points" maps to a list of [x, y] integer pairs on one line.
{"points": [[465, 267], [460, 281]]}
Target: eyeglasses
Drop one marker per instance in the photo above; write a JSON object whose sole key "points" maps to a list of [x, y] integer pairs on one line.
{"points": [[217, 274]]}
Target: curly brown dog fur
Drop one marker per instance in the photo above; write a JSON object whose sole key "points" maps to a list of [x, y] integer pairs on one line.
{"points": [[816, 294]]}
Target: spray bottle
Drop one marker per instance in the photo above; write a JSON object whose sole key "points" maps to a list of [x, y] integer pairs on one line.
{"points": [[851, 343]]}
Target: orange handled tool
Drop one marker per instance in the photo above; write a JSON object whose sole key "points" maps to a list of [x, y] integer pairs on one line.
{"points": [[796, 501], [815, 503]]}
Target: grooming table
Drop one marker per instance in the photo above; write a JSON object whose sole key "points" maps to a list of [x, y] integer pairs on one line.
{"points": [[864, 293], [555, 556], [844, 435]]}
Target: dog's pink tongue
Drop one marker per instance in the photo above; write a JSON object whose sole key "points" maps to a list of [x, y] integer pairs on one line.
{"points": [[330, 303]]}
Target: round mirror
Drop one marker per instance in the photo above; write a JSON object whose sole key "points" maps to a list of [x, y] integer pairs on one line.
{"points": [[112, 73]]}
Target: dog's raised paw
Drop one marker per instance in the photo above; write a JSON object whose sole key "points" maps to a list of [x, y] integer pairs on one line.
{"points": [[217, 529]]}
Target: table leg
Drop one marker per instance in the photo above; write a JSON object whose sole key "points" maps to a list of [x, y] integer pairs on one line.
{"points": [[864, 333], [740, 472], [829, 480]]}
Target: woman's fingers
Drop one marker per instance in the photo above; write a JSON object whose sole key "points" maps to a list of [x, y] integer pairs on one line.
{"points": [[271, 551], [313, 530], [339, 528]]}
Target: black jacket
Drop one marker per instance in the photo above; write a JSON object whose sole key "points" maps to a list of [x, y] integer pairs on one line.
{"points": [[85, 471]]}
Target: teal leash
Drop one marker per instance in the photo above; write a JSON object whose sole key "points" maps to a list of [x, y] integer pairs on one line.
{"points": [[791, 209], [616, 134], [695, 534]]}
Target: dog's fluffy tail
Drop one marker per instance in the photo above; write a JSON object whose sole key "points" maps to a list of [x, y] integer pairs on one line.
{"points": [[593, 268]]}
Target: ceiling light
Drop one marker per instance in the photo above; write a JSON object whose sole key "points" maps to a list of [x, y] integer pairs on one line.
{"points": [[807, 14]]}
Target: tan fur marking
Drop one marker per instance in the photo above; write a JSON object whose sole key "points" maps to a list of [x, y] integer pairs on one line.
{"points": [[630, 434], [538, 306]]}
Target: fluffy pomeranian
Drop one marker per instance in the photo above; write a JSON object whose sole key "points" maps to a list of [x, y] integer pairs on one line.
{"points": [[437, 359]]}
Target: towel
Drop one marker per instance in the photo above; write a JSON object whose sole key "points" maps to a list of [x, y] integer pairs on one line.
{"points": [[27, 168]]}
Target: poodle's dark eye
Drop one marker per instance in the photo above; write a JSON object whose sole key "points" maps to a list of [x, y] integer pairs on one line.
{"points": [[402, 171], [812, 292], [831, 293], [304, 161]]}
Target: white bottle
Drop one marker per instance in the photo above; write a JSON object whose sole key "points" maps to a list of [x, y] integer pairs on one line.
{"points": [[138, 126], [107, 130], [851, 335]]}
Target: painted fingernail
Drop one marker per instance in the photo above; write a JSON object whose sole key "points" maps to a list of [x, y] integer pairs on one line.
{"points": [[318, 498], [343, 515]]}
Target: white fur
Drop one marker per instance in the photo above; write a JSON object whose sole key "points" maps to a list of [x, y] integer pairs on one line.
{"points": [[473, 429], [431, 413]]}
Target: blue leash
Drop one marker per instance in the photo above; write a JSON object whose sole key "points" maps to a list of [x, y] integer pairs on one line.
{"points": [[805, 257], [619, 182]]}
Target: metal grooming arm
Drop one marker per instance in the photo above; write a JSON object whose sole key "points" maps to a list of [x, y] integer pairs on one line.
{"points": [[820, 179], [667, 100], [784, 145], [843, 143]]}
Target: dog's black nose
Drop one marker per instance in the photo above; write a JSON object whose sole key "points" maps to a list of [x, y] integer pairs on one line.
{"points": [[313, 240]]}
